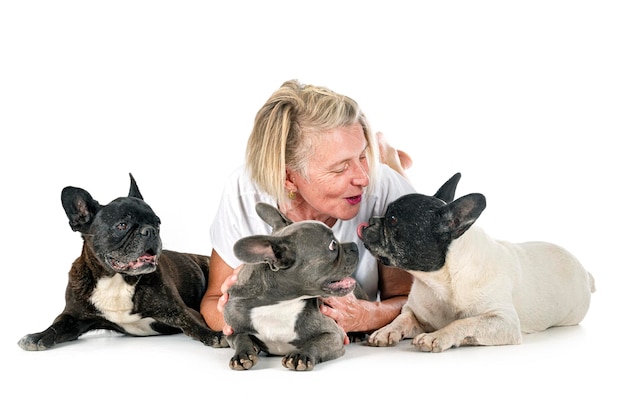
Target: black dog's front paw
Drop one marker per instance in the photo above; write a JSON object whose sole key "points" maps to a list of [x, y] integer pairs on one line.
{"points": [[214, 339], [298, 361], [35, 342]]}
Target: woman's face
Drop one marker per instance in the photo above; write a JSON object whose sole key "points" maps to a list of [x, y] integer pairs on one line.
{"points": [[338, 174]]}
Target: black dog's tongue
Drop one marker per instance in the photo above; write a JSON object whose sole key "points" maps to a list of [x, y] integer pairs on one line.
{"points": [[359, 229], [143, 260]]}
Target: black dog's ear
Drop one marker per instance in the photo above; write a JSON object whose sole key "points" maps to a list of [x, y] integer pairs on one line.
{"points": [[447, 190], [272, 216], [461, 214], [79, 207], [134, 190], [264, 249]]}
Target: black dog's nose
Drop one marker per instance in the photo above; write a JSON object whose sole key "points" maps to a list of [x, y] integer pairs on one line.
{"points": [[148, 231]]}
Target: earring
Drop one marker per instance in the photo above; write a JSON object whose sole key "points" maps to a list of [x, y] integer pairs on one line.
{"points": [[291, 195]]}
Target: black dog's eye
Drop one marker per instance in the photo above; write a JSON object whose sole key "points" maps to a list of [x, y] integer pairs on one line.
{"points": [[332, 245], [393, 220], [122, 226]]}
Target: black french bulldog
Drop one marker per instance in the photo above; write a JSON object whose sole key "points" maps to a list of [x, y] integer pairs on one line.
{"points": [[123, 281], [274, 307]]}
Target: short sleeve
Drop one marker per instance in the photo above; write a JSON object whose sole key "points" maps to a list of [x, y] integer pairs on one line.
{"points": [[236, 216]]}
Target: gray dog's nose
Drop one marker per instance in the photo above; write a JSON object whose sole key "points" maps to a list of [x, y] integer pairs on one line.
{"points": [[148, 231]]}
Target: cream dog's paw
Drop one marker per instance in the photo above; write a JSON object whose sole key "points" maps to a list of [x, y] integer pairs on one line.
{"points": [[385, 337], [430, 342]]}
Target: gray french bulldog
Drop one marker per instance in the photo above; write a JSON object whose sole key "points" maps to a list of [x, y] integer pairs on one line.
{"points": [[274, 305], [123, 281]]}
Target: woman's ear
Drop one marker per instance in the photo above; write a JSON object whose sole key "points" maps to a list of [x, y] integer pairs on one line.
{"points": [[289, 181]]}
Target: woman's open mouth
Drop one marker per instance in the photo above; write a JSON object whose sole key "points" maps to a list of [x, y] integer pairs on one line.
{"points": [[354, 200]]}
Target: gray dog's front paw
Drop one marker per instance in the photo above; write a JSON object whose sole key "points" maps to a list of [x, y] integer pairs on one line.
{"points": [[243, 361], [298, 361]]}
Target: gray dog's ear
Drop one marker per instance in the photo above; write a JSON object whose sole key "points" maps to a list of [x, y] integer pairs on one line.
{"points": [[461, 214], [272, 216], [447, 190], [134, 190], [79, 207], [265, 249]]}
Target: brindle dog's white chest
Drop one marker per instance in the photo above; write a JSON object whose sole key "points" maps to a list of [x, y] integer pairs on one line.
{"points": [[276, 324], [114, 298]]}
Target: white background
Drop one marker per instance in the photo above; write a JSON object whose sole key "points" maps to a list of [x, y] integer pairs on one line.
{"points": [[525, 99]]}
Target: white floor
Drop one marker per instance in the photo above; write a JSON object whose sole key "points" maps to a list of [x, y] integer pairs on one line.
{"points": [[572, 372]]}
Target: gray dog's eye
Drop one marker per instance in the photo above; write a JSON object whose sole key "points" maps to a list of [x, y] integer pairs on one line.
{"points": [[332, 245]]}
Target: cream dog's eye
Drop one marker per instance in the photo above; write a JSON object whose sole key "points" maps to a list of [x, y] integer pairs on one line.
{"points": [[332, 245]]}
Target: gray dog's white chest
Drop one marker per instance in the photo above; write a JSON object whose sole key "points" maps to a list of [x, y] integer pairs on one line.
{"points": [[114, 298], [276, 324]]}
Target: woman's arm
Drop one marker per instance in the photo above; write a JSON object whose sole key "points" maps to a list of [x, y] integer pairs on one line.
{"points": [[219, 271], [355, 315]]}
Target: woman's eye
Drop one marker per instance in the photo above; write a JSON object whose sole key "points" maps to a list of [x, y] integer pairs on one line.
{"points": [[333, 245], [340, 169]]}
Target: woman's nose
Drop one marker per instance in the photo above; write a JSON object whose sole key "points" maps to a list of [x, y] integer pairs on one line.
{"points": [[361, 176]]}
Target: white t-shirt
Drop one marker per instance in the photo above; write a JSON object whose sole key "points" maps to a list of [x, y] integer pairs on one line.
{"points": [[236, 218]]}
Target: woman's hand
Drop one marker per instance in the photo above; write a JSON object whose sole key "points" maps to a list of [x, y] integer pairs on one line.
{"points": [[221, 302], [359, 315], [350, 313]]}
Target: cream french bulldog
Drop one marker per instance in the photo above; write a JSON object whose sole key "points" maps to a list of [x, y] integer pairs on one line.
{"points": [[470, 289]]}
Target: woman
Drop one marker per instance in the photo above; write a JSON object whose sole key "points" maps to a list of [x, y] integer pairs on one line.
{"points": [[311, 153]]}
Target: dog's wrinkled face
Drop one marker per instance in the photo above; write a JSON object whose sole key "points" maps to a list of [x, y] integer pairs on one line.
{"points": [[407, 236], [305, 251], [124, 234], [416, 230]]}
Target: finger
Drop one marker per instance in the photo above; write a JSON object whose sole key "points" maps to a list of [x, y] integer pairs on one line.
{"points": [[330, 301], [227, 330], [330, 312], [221, 302], [230, 279], [325, 309]]}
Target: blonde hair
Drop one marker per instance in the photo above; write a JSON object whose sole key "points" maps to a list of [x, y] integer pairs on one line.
{"points": [[285, 129]]}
